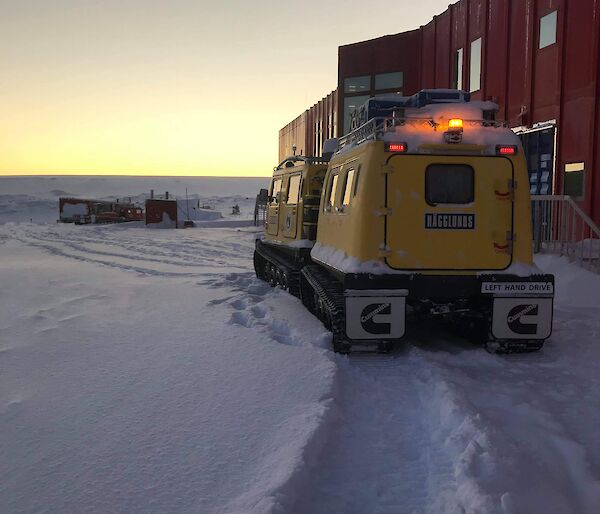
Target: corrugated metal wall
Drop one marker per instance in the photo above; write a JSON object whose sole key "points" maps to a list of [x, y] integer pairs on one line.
{"points": [[310, 129], [559, 82]]}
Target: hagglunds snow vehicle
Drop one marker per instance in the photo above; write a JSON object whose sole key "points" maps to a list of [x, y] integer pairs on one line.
{"points": [[423, 208]]}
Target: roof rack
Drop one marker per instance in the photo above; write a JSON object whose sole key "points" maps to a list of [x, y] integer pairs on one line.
{"points": [[289, 162], [375, 128]]}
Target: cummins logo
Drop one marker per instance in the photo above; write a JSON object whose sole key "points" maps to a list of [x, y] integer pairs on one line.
{"points": [[449, 221], [367, 318], [522, 318], [515, 322], [374, 317]]}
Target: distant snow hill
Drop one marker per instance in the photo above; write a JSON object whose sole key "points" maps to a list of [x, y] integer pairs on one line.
{"points": [[35, 198]]}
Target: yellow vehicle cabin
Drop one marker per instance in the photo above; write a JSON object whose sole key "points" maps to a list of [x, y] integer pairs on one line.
{"points": [[425, 209], [294, 197], [291, 220]]}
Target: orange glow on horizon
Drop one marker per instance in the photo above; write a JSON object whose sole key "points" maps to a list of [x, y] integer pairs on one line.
{"points": [[164, 88]]}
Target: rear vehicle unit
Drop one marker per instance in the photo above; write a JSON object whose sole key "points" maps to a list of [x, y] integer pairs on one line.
{"points": [[425, 209]]}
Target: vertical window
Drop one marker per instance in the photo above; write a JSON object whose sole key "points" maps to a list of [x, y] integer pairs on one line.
{"points": [[357, 84], [294, 190], [356, 180], [458, 69], [351, 104], [332, 191], [574, 184], [475, 75], [548, 30], [275, 190], [348, 187], [320, 148], [393, 80]]}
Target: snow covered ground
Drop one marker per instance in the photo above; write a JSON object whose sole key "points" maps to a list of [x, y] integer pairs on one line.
{"points": [[148, 371]]}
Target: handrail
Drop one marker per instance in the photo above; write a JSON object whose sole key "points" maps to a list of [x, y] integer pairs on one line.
{"points": [[561, 227]]}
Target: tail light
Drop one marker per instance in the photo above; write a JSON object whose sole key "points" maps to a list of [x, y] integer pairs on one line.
{"points": [[506, 150], [396, 147]]}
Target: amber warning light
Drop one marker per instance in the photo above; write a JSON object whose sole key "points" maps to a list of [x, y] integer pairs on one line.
{"points": [[455, 124], [396, 147], [506, 150]]}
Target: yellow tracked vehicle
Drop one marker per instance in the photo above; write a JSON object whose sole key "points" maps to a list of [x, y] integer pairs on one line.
{"points": [[423, 209]]}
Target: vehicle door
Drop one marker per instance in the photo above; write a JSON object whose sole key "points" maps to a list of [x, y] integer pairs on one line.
{"points": [[449, 212], [273, 207], [289, 218]]}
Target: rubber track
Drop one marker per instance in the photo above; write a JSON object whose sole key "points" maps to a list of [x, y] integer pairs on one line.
{"points": [[331, 293], [285, 265]]}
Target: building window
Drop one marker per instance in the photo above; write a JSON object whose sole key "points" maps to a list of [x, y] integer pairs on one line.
{"points": [[475, 75], [357, 84], [574, 179], [393, 80], [351, 104], [458, 69], [548, 30], [318, 138]]}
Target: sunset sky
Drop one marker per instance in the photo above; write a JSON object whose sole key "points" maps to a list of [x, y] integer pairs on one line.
{"points": [[171, 87]]}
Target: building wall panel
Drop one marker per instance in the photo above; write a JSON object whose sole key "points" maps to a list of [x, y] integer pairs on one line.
{"points": [[578, 123], [547, 65], [498, 54], [443, 69], [294, 133], [428, 55], [476, 28], [519, 78], [382, 55]]}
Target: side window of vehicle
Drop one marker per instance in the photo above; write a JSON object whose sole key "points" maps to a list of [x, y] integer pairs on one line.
{"points": [[348, 187], [293, 195], [333, 182], [275, 191], [356, 178], [316, 183]]}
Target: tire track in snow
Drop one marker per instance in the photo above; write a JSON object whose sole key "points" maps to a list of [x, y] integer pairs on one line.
{"points": [[146, 261], [380, 457], [374, 452]]}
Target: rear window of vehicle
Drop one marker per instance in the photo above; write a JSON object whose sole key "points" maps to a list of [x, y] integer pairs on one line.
{"points": [[449, 183], [294, 189]]}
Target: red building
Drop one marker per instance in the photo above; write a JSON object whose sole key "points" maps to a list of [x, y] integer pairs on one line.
{"points": [[161, 212], [538, 59]]}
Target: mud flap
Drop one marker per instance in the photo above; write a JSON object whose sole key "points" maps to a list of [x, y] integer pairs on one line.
{"points": [[522, 318], [378, 314]]}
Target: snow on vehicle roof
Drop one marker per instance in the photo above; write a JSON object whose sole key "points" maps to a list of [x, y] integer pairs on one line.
{"points": [[416, 128]]}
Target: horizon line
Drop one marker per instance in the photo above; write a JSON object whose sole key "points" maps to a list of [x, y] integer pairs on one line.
{"points": [[132, 176]]}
